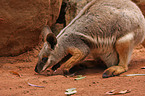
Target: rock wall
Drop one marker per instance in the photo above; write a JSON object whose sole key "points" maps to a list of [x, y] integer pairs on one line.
{"points": [[74, 8], [21, 22]]}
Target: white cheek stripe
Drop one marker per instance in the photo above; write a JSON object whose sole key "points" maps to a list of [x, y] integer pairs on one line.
{"points": [[46, 65]]}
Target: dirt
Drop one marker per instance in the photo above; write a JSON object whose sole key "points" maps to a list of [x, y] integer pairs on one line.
{"points": [[92, 85]]}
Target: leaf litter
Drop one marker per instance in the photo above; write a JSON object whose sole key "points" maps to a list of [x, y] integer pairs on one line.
{"points": [[70, 91], [79, 77], [15, 73], [114, 92], [133, 75], [35, 85], [142, 67]]}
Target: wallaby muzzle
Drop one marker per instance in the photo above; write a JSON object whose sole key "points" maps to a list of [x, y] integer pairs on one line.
{"points": [[40, 65]]}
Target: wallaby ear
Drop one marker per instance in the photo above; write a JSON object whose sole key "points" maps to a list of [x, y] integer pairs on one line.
{"points": [[51, 39], [45, 31]]}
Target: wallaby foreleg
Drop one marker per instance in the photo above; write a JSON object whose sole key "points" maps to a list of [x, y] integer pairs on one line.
{"points": [[77, 55], [124, 48]]}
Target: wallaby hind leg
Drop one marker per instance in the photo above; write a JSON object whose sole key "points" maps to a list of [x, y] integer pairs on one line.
{"points": [[124, 48]]}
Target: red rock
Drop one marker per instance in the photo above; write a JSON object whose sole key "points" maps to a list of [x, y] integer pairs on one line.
{"points": [[21, 22]]}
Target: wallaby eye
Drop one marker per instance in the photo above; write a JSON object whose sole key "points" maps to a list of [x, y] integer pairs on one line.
{"points": [[44, 60]]}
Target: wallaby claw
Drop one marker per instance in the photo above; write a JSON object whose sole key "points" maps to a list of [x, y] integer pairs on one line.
{"points": [[59, 71], [105, 75], [49, 72]]}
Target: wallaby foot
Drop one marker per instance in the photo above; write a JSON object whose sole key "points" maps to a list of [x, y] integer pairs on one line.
{"points": [[124, 47], [114, 71]]}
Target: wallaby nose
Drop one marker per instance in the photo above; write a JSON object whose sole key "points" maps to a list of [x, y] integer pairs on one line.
{"points": [[40, 65], [36, 69]]}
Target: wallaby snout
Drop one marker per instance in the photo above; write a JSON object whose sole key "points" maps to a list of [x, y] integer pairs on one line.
{"points": [[40, 65]]}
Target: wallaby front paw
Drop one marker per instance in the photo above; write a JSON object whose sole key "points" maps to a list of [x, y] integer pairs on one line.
{"points": [[113, 71], [66, 72], [60, 71], [47, 72]]}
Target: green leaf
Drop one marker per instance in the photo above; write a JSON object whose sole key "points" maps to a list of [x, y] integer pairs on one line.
{"points": [[79, 77], [114, 92], [70, 91]]}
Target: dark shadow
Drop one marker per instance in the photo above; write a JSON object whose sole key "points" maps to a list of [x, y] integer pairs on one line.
{"points": [[61, 18], [88, 67]]}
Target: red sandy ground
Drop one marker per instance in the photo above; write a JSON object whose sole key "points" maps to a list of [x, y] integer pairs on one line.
{"points": [[92, 85]]}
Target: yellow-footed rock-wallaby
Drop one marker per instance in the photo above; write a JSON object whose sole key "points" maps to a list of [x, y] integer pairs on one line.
{"points": [[106, 29]]}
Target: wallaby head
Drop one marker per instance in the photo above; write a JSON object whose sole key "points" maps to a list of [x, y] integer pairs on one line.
{"points": [[47, 50]]}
